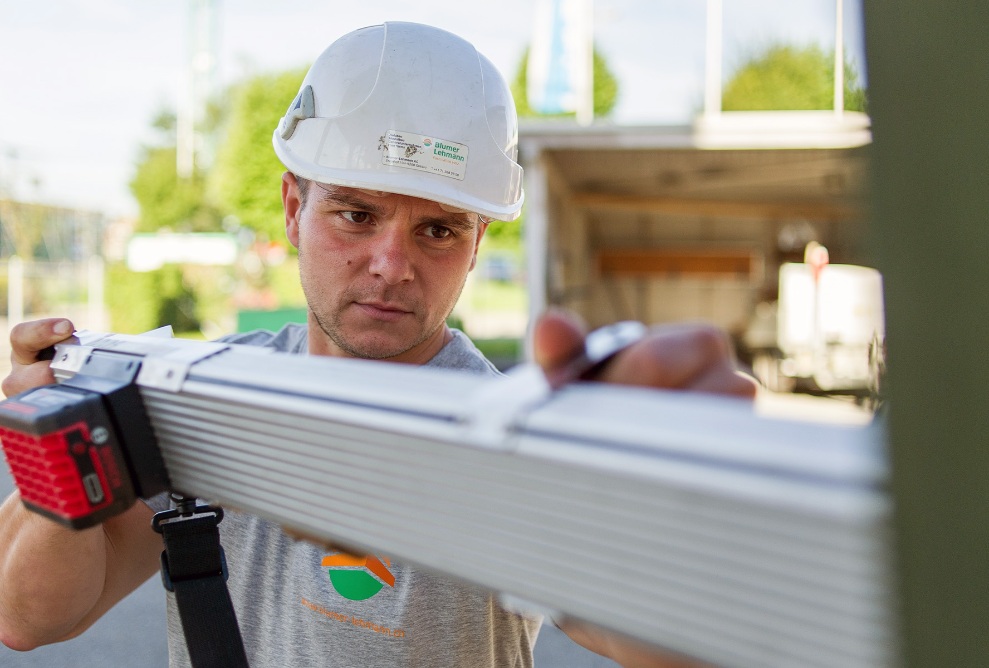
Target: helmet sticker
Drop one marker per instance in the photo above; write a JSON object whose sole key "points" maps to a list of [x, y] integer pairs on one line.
{"points": [[426, 154]]}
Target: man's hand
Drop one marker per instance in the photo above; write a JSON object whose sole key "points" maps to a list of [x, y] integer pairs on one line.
{"points": [[689, 357], [27, 340], [42, 601], [677, 357]]}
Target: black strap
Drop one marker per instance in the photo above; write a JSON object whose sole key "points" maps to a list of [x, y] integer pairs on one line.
{"points": [[194, 567]]}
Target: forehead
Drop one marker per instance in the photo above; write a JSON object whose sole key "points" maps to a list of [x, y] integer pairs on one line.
{"points": [[380, 199]]}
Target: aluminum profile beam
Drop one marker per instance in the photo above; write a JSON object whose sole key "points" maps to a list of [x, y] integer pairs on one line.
{"points": [[683, 521]]}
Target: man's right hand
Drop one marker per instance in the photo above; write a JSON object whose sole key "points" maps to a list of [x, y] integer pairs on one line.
{"points": [[41, 600], [27, 340]]}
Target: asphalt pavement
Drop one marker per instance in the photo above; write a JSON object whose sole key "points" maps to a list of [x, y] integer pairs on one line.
{"points": [[132, 635]]}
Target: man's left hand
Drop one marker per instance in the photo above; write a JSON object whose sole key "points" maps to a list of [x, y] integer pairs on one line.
{"points": [[689, 357]]}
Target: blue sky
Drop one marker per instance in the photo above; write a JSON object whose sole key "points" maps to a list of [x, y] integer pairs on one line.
{"points": [[80, 80]]}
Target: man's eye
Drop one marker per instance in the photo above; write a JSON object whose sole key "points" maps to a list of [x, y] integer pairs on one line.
{"points": [[356, 216], [438, 232]]}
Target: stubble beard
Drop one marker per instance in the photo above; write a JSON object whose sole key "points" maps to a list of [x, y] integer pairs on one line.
{"points": [[330, 320], [332, 325]]}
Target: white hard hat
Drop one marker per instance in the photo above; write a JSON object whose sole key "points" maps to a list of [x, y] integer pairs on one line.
{"points": [[409, 109]]}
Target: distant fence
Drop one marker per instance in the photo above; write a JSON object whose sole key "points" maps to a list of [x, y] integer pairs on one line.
{"points": [[34, 289]]}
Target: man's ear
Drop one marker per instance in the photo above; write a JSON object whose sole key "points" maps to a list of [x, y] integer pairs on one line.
{"points": [[481, 229], [292, 206]]}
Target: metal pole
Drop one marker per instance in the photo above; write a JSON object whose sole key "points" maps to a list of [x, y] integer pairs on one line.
{"points": [[536, 239], [15, 291], [712, 69], [585, 101], [839, 59], [197, 86], [94, 298]]}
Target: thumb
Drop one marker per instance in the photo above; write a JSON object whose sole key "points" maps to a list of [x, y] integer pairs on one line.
{"points": [[557, 338]]}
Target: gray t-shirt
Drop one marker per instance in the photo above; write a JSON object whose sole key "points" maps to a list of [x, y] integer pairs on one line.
{"points": [[301, 605]]}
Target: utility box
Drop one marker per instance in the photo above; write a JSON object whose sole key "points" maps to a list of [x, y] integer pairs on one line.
{"points": [[830, 325]]}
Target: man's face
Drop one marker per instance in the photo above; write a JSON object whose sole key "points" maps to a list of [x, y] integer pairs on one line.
{"points": [[381, 272]]}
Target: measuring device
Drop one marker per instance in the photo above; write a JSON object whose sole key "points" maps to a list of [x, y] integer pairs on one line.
{"points": [[682, 520], [83, 451]]}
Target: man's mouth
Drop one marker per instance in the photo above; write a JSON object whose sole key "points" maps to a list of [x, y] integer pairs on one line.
{"points": [[382, 310]]}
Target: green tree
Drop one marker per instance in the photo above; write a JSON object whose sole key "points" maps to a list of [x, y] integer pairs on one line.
{"points": [[605, 89], [246, 175], [143, 300], [786, 77], [165, 200]]}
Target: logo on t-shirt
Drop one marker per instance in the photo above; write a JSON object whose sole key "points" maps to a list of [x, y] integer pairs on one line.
{"points": [[358, 578]]}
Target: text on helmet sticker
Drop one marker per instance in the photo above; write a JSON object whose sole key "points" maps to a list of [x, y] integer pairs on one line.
{"points": [[426, 154]]}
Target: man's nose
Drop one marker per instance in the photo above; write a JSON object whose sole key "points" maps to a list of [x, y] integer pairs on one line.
{"points": [[392, 257]]}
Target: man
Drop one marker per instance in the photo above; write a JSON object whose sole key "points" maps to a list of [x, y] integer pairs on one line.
{"points": [[400, 148]]}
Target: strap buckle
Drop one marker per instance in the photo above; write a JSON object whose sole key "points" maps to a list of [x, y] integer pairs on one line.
{"points": [[186, 509]]}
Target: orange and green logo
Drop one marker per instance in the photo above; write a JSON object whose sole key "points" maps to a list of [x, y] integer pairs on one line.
{"points": [[358, 578]]}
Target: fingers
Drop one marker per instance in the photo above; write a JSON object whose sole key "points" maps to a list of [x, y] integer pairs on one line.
{"points": [[322, 543], [28, 340], [623, 650], [726, 379], [687, 357], [694, 357], [557, 338], [309, 538]]}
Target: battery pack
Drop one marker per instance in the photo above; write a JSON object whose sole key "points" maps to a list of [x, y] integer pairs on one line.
{"points": [[82, 451], [64, 456]]}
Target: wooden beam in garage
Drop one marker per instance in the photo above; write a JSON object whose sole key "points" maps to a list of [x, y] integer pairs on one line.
{"points": [[718, 208], [723, 262]]}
